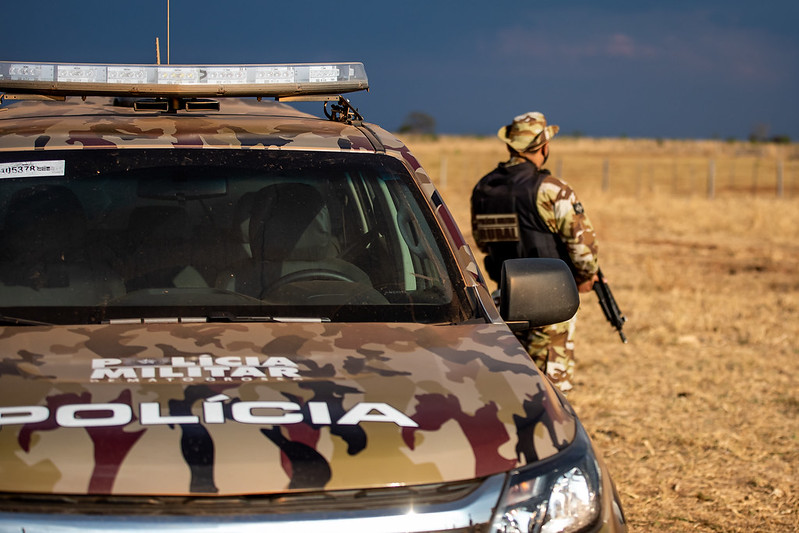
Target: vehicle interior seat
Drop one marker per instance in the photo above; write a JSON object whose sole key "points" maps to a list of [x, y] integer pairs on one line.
{"points": [[46, 252], [291, 239]]}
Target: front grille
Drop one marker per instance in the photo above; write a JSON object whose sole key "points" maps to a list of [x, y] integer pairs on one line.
{"points": [[462, 506]]}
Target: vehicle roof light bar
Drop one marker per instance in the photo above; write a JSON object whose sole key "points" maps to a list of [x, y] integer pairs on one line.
{"points": [[267, 80]]}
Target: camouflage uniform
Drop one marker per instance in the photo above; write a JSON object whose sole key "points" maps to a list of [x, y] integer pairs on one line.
{"points": [[549, 222]]}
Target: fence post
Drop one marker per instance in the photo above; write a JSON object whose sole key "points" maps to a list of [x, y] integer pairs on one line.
{"points": [[711, 179], [754, 175], [651, 187], [674, 174], [638, 177]]}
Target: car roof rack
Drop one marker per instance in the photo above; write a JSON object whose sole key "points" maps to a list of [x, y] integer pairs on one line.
{"points": [[280, 81]]}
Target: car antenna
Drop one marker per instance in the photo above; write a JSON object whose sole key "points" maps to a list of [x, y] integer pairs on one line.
{"points": [[167, 32]]}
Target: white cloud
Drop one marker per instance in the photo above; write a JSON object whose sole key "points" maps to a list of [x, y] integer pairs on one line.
{"points": [[682, 43]]}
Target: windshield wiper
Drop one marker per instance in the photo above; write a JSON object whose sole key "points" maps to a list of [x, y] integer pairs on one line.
{"points": [[16, 321], [214, 317], [230, 317]]}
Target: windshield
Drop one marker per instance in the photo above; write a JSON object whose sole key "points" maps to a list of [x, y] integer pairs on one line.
{"points": [[112, 235]]}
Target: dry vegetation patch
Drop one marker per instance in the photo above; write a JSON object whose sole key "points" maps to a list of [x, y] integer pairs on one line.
{"points": [[698, 416]]}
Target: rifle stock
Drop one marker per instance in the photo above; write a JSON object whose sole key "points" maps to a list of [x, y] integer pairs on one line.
{"points": [[609, 307]]}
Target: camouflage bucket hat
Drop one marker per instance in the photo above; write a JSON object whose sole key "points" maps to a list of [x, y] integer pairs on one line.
{"points": [[527, 132]]}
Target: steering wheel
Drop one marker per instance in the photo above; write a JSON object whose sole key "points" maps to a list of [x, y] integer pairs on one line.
{"points": [[309, 274]]}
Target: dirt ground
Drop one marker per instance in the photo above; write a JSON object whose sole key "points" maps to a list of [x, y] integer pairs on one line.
{"points": [[698, 415]]}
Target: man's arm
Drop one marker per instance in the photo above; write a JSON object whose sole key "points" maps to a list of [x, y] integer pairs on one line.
{"points": [[561, 210]]}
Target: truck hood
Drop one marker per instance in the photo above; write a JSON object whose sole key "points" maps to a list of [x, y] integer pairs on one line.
{"points": [[234, 409]]}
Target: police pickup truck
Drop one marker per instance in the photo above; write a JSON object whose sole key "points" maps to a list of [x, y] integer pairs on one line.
{"points": [[219, 313]]}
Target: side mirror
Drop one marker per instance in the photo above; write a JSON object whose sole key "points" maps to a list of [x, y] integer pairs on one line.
{"points": [[537, 291]]}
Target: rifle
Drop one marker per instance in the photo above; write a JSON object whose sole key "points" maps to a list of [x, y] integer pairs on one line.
{"points": [[608, 304]]}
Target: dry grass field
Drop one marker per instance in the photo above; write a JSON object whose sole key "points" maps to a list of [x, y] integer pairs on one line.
{"points": [[698, 415]]}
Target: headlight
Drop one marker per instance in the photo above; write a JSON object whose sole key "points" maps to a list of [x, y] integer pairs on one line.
{"points": [[560, 495]]}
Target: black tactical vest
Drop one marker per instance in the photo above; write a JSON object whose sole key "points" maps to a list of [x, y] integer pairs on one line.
{"points": [[507, 220]]}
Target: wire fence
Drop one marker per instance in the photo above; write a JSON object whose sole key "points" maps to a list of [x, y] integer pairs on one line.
{"points": [[681, 169], [681, 176]]}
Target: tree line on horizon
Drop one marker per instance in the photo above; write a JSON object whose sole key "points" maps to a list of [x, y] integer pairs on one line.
{"points": [[422, 123]]}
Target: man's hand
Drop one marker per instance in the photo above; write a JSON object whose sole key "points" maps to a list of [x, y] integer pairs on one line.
{"points": [[586, 286]]}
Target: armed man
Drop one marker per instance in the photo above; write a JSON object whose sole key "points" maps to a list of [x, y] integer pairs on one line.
{"points": [[521, 210]]}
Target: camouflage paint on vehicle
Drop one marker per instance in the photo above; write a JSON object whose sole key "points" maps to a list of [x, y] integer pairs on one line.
{"points": [[179, 408], [396, 396], [99, 124]]}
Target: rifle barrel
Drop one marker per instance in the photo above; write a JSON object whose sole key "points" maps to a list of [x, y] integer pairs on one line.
{"points": [[609, 306]]}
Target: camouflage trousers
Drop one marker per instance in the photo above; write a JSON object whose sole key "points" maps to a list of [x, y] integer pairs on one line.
{"points": [[552, 350]]}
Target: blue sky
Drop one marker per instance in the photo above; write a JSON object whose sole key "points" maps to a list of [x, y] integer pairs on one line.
{"points": [[645, 68]]}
